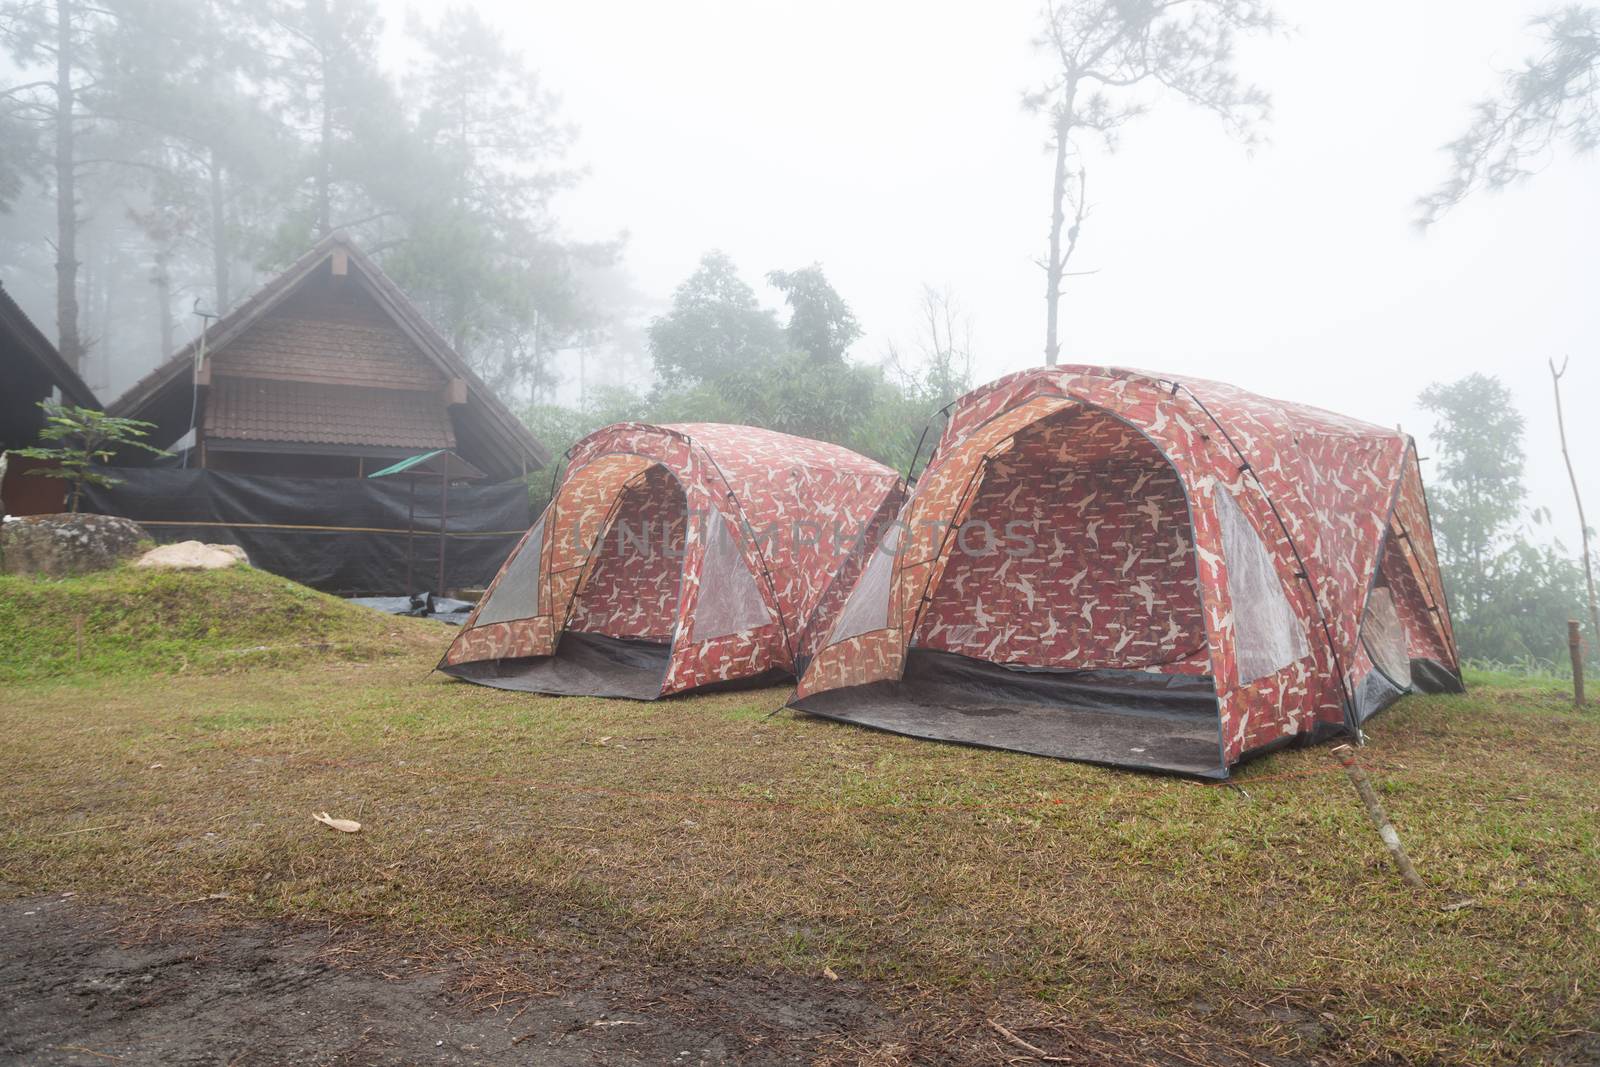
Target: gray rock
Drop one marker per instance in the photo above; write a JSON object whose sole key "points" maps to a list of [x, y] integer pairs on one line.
{"points": [[61, 545]]}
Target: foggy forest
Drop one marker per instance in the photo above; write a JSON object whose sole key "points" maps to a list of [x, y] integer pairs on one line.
{"points": [[721, 532]]}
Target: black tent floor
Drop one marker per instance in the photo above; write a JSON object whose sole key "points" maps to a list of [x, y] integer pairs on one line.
{"points": [[588, 665], [1118, 718], [594, 665]]}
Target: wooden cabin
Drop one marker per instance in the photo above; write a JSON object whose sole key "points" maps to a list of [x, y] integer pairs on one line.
{"points": [[327, 371]]}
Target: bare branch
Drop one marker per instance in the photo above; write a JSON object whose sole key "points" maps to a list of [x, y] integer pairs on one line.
{"points": [[1110, 57]]}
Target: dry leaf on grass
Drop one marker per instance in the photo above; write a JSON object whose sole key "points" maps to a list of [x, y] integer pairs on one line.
{"points": [[348, 826]]}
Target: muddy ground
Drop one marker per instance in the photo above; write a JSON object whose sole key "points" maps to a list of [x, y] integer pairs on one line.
{"points": [[84, 985]]}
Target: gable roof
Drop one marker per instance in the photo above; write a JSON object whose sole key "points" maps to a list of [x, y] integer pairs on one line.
{"points": [[37, 349], [506, 444]]}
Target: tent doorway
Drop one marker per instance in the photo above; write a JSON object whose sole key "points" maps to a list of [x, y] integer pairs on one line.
{"points": [[625, 609], [631, 586], [1068, 619]]}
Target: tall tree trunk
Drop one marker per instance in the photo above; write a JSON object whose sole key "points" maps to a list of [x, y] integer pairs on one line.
{"points": [[102, 306], [325, 154], [163, 287], [67, 340], [219, 239], [1583, 524], [1055, 265]]}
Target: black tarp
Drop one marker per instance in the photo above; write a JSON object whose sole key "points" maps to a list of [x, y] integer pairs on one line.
{"points": [[423, 605], [341, 535]]}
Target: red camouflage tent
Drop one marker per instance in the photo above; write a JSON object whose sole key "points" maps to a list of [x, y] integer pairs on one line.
{"points": [[1145, 571], [676, 557]]}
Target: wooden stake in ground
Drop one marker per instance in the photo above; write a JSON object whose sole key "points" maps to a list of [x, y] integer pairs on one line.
{"points": [[1583, 525], [1346, 755], [1575, 645]]}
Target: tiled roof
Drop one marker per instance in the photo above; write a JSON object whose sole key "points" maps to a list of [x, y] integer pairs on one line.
{"points": [[254, 409], [346, 353]]}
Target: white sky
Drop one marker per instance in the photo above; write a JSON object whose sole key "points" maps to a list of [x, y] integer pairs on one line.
{"points": [[885, 140]]}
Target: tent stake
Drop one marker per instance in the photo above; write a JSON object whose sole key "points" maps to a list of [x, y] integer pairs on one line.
{"points": [[1346, 755]]}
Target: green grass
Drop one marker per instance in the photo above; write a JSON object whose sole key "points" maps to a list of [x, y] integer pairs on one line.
{"points": [[141, 622], [702, 834], [1502, 676]]}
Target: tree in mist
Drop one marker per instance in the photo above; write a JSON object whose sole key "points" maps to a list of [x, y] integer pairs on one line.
{"points": [[938, 367], [820, 322], [190, 77], [475, 243], [1554, 98], [205, 140], [928, 375], [345, 111], [1110, 57], [50, 112], [793, 393], [145, 96], [714, 326], [1509, 598], [1479, 492], [721, 356], [18, 138]]}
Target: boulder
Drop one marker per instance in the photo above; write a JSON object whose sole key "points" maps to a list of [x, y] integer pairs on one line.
{"points": [[192, 555], [62, 545]]}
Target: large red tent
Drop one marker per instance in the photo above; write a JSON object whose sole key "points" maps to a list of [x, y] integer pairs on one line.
{"points": [[1146, 571], [675, 557]]}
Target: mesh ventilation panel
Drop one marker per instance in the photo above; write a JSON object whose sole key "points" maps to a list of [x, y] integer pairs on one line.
{"points": [[730, 600], [517, 595], [1267, 635], [1385, 637], [868, 606]]}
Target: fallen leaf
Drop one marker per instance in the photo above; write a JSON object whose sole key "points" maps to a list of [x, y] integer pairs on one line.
{"points": [[347, 826]]}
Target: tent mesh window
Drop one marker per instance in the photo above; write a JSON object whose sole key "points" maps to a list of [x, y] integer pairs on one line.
{"points": [[730, 600], [1385, 637], [517, 595], [1267, 635], [868, 606]]}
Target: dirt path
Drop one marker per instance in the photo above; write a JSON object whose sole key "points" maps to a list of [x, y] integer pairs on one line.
{"points": [[77, 991]]}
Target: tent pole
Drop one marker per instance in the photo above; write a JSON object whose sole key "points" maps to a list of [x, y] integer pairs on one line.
{"points": [[411, 534], [444, 525]]}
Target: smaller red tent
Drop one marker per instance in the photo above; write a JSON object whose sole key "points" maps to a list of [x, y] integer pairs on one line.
{"points": [[1145, 571], [676, 557]]}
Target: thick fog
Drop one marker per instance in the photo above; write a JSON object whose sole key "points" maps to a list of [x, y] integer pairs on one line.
{"points": [[886, 141]]}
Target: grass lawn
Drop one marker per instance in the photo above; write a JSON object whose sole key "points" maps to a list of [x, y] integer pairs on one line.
{"points": [[182, 755]]}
